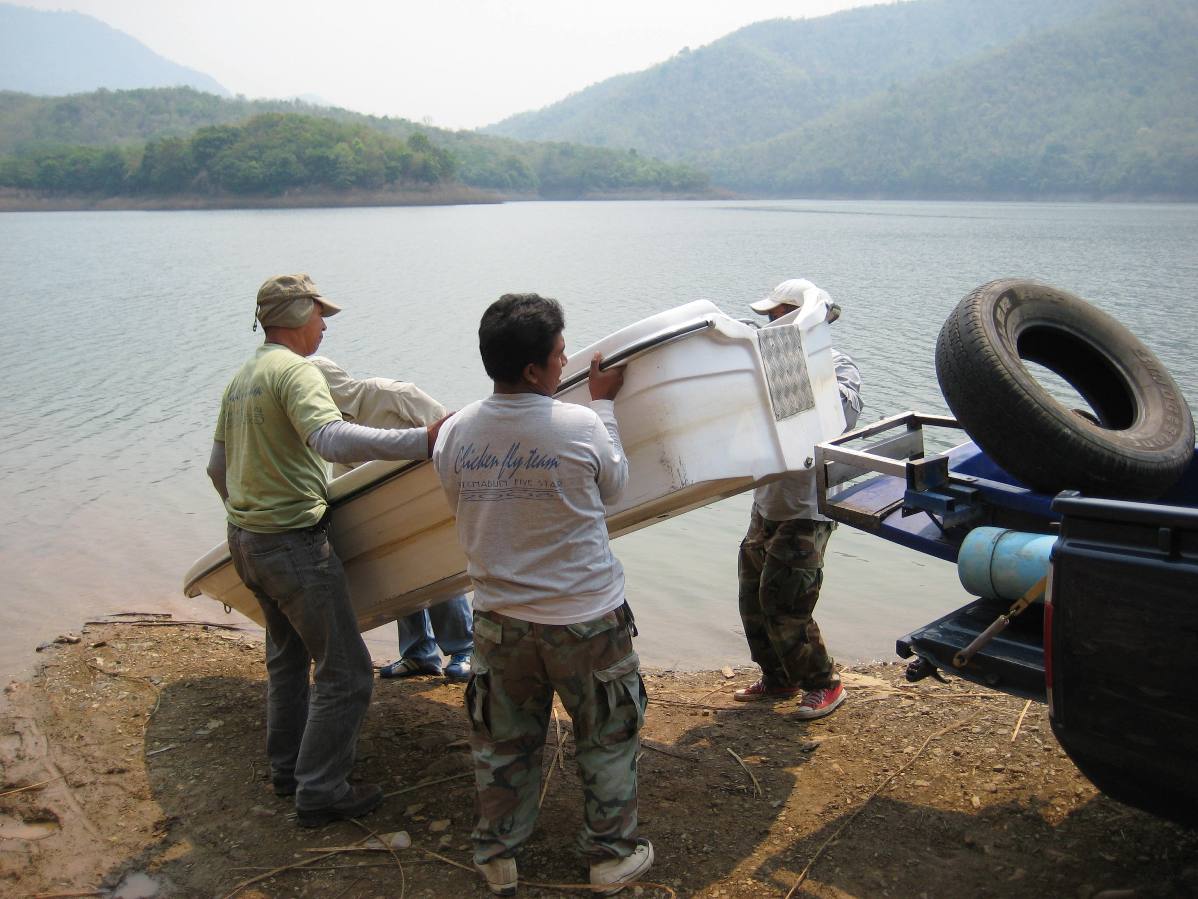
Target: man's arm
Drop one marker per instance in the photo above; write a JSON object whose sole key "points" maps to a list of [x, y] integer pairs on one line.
{"points": [[613, 464], [848, 379], [217, 469], [342, 441]]}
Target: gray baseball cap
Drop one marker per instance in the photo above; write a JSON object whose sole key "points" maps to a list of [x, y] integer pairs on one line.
{"points": [[285, 301]]}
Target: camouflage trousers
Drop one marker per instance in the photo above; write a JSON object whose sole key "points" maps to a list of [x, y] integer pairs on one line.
{"points": [[518, 665], [781, 572]]}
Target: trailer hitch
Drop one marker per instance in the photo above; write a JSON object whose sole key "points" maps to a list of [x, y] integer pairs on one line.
{"points": [[919, 668]]}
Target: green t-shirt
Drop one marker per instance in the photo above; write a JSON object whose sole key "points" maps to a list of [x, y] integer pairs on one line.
{"points": [[271, 407]]}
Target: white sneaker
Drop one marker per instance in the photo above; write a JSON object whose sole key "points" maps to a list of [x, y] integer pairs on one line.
{"points": [[620, 871], [500, 875]]}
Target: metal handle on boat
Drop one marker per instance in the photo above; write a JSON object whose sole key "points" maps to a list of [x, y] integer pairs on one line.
{"points": [[661, 338]]}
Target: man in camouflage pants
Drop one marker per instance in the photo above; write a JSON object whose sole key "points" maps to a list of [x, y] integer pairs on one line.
{"points": [[592, 667], [527, 477], [782, 555]]}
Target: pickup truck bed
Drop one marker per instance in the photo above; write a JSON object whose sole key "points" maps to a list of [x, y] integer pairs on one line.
{"points": [[1123, 641], [1120, 618]]}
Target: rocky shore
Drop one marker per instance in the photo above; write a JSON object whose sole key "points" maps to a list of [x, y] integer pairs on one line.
{"points": [[132, 766]]}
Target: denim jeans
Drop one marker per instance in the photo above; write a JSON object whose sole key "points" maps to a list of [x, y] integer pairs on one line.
{"points": [[451, 622], [311, 734]]}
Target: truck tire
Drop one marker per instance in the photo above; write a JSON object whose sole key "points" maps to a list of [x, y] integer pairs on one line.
{"points": [[1140, 438]]}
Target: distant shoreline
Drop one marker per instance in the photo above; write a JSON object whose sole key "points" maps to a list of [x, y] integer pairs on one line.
{"points": [[16, 200], [12, 200]]}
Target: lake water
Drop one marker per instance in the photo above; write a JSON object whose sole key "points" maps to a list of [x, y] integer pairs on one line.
{"points": [[123, 328]]}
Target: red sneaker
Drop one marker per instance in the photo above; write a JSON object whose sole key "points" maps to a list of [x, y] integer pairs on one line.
{"points": [[761, 690], [818, 703]]}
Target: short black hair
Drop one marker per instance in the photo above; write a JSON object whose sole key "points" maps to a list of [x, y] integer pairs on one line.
{"points": [[518, 329]]}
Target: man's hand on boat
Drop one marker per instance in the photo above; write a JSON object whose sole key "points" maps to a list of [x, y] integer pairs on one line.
{"points": [[434, 429], [604, 384]]}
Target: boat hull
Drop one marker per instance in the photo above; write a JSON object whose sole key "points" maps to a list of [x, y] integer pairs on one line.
{"points": [[710, 407]]}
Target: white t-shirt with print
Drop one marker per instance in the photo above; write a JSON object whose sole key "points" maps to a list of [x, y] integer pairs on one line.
{"points": [[527, 477]]}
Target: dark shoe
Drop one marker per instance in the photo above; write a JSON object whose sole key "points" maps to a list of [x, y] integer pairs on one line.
{"points": [[761, 690], [410, 668], [818, 703], [614, 873], [500, 875], [284, 788], [362, 799], [458, 668]]}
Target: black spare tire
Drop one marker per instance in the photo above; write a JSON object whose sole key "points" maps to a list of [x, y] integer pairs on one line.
{"points": [[1140, 438]]}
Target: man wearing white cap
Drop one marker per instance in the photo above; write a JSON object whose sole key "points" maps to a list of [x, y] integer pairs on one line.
{"points": [[782, 556], [277, 423]]}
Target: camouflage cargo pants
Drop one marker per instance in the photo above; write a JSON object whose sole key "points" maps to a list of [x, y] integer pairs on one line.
{"points": [[518, 665], [781, 572]]}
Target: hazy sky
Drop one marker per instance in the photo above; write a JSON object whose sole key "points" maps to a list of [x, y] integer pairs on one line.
{"points": [[459, 63]]}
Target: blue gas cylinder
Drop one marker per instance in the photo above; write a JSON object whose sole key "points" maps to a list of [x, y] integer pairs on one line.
{"points": [[997, 563]]}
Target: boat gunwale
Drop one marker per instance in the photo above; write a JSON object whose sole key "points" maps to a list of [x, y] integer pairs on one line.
{"points": [[619, 357], [626, 354]]}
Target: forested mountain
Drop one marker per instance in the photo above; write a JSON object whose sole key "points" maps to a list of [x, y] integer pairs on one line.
{"points": [[771, 77], [58, 53], [179, 140], [928, 98], [1107, 106], [924, 98]]}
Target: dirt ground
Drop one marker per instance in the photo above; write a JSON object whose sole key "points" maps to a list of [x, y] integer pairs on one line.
{"points": [[132, 765]]}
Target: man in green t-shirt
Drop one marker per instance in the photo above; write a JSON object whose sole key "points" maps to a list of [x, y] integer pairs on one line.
{"points": [[277, 424]]}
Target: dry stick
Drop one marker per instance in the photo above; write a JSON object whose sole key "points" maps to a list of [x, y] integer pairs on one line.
{"points": [[40, 783], [1019, 723], [594, 887], [709, 692], [403, 879], [449, 861], [752, 777], [556, 886], [302, 863], [137, 615], [557, 756], [849, 820], [164, 623], [469, 870], [411, 861], [666, 750], [138, 680], [223, 627], [557, 724], [352, 884], [428, 783], [743, 707], [972, 696]]}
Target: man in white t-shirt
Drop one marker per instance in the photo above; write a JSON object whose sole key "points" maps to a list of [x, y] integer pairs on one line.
{"points": [[528, 477]]}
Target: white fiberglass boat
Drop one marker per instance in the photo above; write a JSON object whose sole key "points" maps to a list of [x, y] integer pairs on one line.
{"points": [[710, 407]]}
